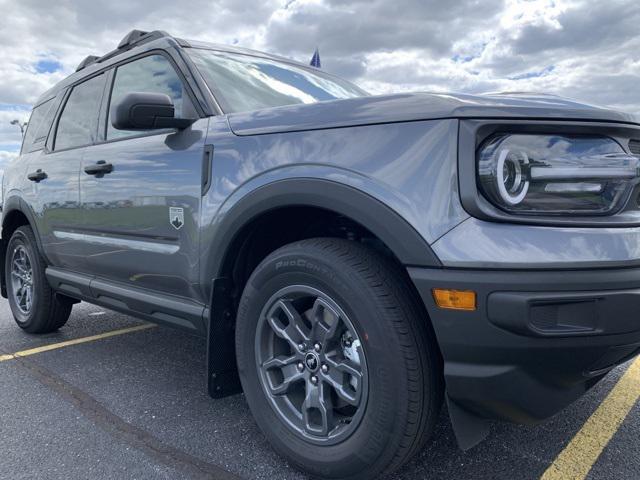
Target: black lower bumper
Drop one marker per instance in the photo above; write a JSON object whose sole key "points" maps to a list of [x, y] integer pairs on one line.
{"points": [[537, 340]]}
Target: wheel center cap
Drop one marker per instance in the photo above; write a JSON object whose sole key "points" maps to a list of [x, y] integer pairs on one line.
{"points": [[312, 362]]}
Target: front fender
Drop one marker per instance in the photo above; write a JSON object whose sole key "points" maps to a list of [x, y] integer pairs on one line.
{"points": [[313, 186], [399, 180]]}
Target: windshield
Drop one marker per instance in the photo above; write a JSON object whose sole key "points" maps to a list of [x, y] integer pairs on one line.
{"points": [[245, 82]]}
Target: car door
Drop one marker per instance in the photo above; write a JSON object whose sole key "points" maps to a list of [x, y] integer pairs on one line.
{"points": [[54, 173], [141, 215]]}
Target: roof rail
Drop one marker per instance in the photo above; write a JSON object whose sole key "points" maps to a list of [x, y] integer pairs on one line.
{"points": [[133, 39], [130, 40], [87, 61]]}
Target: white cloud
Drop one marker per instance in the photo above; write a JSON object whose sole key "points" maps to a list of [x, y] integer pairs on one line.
{"points": [[10, 138], [5, 158], [578, 48]]}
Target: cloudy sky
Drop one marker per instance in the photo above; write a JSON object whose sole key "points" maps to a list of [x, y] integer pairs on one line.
{"points": [[587, 50]]}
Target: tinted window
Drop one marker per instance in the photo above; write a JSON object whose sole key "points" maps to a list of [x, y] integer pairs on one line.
{"points": [[78, 122], [153, 74], [250, 83], [39, 123]]}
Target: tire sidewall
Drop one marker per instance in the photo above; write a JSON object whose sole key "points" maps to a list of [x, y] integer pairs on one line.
{"points": [[385, 410], [18, 238]]}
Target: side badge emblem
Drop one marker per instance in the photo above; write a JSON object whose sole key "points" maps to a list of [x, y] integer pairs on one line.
{"points": [[176, 217]]}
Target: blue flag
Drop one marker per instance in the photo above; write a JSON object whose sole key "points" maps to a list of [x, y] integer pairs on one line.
{"points": [[315, 60]]}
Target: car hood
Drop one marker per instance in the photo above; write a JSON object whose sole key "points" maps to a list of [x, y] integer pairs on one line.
{"points": [[404, 107]]}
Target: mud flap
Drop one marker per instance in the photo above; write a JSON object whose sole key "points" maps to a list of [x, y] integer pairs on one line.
{"points": [[222, 373], [469, 429]]}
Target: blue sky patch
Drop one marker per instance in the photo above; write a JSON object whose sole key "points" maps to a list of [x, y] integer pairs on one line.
{"points": [[9, 147], [47, 65], [462, 58], [477, 50], [540, 73], [16, 107]]}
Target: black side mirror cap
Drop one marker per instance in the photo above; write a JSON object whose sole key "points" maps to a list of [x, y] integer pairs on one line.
{"points": [[146, 111]]}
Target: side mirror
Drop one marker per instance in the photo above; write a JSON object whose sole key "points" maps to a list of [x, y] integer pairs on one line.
{"points": [[146, 111]]}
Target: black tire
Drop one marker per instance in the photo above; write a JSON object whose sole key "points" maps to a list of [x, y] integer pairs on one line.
{"points": [[405, 384], [48, 311]]}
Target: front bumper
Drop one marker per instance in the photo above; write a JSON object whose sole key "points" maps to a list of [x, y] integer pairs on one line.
{"points": [[537, 340]]}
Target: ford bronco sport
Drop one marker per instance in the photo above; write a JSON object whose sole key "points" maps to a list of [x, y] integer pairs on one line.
{"points": [[352, 260]]}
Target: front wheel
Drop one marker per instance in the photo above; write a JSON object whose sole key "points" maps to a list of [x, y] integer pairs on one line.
{"points": [[337, 361], [35, 306]]}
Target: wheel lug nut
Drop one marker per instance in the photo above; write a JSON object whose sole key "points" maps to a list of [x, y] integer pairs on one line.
{"points": [[324, 368], [317, 347], [300, 366], [301, 347], [314, 379]]}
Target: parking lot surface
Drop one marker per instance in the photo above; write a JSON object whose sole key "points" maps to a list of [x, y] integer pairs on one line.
{"points": [[124, 399]]}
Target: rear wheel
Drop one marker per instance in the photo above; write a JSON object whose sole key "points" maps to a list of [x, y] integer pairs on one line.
{"points": [[35, 306], [337, 360]]}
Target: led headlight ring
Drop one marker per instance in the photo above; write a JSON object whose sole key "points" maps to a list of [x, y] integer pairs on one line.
{"points": [[520, 186]]}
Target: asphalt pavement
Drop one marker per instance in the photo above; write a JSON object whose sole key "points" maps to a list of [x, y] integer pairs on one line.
{"points": [[134, 406]]}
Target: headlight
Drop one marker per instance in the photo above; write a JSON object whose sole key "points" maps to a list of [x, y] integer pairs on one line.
{"points": [[555, 174]]}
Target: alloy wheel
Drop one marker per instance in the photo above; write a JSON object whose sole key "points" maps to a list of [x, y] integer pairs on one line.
{"points": [[311, 364], [22, 279]]}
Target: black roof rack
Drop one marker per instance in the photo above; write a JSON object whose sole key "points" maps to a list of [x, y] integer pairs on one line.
{"points": [[133, 39], [135, 36], [87, 61], [130, 40]]}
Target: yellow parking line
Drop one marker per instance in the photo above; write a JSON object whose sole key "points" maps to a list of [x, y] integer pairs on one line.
{"points": [[93, 338], [576, 460]]}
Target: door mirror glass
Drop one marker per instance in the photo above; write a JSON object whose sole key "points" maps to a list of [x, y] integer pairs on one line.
{"points": [[146, 111]]}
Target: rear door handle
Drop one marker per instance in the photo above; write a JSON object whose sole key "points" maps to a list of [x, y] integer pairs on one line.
{"points": [[99, 168], [37, 176]]}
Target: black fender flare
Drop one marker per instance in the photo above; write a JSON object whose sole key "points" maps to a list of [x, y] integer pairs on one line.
{"points": [[401, 238]]}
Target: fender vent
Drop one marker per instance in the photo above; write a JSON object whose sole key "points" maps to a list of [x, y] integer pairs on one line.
{"points": [[634, 146]]}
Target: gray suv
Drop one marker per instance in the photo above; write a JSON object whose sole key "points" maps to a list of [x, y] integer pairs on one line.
{"points": [[352, 260]]}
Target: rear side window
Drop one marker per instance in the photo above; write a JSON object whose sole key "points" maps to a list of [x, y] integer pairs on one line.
{"points": [[79, 120], [152, 74], [38, 127]]}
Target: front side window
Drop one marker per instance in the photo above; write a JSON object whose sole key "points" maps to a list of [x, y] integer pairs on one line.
{"points": [[152, 74], [248, 82], [78, 123]]}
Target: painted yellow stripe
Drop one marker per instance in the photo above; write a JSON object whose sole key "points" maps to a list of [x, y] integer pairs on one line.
{"points": [[582, 452], [77, 341]]}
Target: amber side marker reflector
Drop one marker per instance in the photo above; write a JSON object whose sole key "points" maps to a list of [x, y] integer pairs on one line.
{"points": [[455, 299]]}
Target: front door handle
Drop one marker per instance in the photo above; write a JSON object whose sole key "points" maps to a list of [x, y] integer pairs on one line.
{"points": [[99, 168], [37, 176]]}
